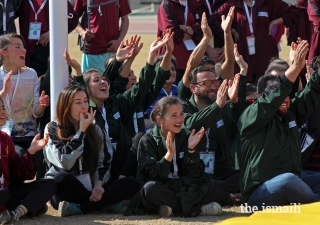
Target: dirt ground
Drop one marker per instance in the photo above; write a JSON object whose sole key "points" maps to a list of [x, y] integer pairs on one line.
{"points": [[52, 217]]}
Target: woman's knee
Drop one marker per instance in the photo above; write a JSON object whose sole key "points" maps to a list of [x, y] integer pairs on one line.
{"points": [[151, 189], [62, 177]]}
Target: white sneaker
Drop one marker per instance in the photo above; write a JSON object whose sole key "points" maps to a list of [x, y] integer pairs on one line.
{"points": [[164, 211], [211, 209]]}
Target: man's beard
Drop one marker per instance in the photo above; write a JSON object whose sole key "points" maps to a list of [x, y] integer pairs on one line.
{"points": [[205, 97]]}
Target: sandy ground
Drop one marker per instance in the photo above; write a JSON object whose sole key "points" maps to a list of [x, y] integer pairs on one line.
{"points": [[52, 217]]}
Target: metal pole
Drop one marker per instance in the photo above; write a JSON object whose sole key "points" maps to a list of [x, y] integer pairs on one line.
{"points": [[58, 27]]}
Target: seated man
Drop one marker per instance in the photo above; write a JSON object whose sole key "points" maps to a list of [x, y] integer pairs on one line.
{"points": [[269, 136]]}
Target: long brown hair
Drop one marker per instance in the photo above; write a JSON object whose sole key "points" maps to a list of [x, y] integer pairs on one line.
{"points": [[66, 129]]}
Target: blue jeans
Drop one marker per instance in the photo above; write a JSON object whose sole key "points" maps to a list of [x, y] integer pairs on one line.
{"points": [[312, 178], [282, 190]]}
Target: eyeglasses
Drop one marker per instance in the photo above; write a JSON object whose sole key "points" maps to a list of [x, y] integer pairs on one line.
{"points": [[208, 83]]}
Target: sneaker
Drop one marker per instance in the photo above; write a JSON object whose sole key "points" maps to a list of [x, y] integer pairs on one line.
{"points": [[7, 216], [164, 211], [68, 209], [115, 208], [211, 209]]}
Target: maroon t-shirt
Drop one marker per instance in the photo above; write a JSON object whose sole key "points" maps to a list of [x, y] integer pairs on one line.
{"points": [[42, 18], [105, 27]]}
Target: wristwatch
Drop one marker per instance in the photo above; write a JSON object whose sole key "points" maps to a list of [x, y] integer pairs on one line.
{"points": [[187, 27]]}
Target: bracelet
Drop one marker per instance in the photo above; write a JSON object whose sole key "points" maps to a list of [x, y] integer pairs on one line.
{"points": [[192, 150]]}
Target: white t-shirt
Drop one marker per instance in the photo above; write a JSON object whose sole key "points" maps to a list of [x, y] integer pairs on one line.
{"points": [[25, 100]]}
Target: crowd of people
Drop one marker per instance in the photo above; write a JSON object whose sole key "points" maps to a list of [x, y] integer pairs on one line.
{"points": [[216, 118]]}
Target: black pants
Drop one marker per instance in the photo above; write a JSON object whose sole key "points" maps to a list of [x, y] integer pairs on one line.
{"points": [[70, 189], [232, 179], [33, 195], [130, 166], [155, 194]]}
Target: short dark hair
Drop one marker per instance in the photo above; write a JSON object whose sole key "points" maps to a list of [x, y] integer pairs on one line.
{"points": [[250, 88], [194, 73], [207, 60], [263, 82], [315, 63], [159, 59], [277, 64]]}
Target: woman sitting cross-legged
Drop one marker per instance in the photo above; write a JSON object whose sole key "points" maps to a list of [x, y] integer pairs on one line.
{"points": [[79, 155], [170, 169]]}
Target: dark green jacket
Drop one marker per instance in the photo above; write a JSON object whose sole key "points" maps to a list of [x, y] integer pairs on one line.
{"points": [[120, 110], [118, 86], [193, 185], [270, 144], [222, 124]]}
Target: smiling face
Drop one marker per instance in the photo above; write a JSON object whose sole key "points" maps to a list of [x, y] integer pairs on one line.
{"points": [[79, 105], [98, 87], [206, 94], [173, 73], [15, 53], [132, 79], [284, 108], [3, 114], [172, 120]]}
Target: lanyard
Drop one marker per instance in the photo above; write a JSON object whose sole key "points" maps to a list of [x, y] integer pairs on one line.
{"points": [[14, 92], [135, 122], [209, 7], [170, 94], [36, 13], [104, 116], [185, 11], [80, 165], [207, 136], [175, 166], [4, 17], [249, 16]]}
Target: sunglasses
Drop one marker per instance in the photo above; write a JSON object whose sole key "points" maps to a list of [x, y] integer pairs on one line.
{"points": [[208, 83]]}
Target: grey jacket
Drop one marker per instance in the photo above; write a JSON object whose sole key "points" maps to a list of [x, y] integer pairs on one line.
{"points": [[64, 156]]}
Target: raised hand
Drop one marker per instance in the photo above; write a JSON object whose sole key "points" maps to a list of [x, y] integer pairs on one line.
{"points": [[309, 71], [134, 41], [44, 99], [71, 62], [159, 42], [170, 43], [227, 21], [6, 84], [233, 88], [205, 27], [86, 119], [124, 53], [240, 61], [38, 144], [222, 94], [195, 138], [300, 53], [170, 143]]}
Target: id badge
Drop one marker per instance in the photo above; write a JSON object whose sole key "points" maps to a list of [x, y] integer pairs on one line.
{"points": [[208, 159], [211, 43], [34, 31], [251, 45], [85, 180], [7, 128]]}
